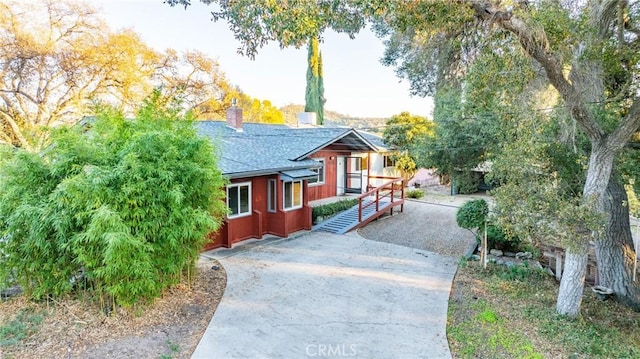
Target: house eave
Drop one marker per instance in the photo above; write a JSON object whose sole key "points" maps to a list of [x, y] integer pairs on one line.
{"points": [[266, 172], [366, 142]]}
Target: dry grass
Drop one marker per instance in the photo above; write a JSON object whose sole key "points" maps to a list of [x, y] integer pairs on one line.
{"points": [[75, 328]]}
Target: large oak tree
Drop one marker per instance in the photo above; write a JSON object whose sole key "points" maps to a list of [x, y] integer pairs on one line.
{"points": [[584, 38], [58, 58]]}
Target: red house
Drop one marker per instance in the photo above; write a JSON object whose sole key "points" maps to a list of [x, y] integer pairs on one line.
{"points": [[275, 170]]}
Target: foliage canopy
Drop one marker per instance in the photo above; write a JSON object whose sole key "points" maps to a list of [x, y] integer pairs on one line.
{"points": [[402, 133], [59, 58], [473, 215]]}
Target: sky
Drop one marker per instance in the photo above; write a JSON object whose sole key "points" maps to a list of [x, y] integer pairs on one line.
{"points": [[355, 81]]}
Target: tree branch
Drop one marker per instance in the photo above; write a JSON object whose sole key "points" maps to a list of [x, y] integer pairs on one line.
{"points": [[537, 47], [22, 93], [628, 126], [17, 132]]}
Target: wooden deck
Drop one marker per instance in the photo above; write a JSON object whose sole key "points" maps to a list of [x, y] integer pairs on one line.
{"points": [[371, 205]]}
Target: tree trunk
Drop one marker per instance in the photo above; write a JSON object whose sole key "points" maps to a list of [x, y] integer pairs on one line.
{"points": [[594, 193], [572, 283], [614, 247]]}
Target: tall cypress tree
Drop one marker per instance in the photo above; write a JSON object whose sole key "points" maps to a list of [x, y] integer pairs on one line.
{"points": [[314, 97], [321, 99]]}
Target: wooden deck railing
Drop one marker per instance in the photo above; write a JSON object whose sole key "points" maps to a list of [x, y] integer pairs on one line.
{"points": [[369, 178], [393, 190]]}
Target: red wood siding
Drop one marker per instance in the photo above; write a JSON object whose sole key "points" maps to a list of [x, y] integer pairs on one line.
{"points": [[215, 239], [261, 222], [328, 189]]}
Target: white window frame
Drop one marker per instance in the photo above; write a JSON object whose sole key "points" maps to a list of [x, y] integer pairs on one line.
{"points": [[272, 195], [284, 194], [384, 161], [321, 170], [237, 186]]}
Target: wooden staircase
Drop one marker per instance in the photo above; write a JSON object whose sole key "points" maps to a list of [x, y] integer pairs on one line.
{"points": [[371, 205]]}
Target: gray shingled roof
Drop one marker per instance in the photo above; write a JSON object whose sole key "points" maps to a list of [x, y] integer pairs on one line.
{"points": [[375, 140], [262, 149]]}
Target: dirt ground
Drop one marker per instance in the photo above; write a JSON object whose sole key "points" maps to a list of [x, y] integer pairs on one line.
{"points": [[170, 328]]}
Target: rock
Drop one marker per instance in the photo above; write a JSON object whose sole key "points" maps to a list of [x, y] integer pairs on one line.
{"points": [[10, 292], [509, 264], [524, 255], [496, 252], [474, 257], [535, 265], [509, 254], [603, 293], [549, 271], [470, 251]]}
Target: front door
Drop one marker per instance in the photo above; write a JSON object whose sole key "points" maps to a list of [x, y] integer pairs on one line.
{"points": [[341, 169], [354, 175]]}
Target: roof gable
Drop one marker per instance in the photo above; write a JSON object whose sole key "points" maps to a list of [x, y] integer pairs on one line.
{"points": [[349, 139]]}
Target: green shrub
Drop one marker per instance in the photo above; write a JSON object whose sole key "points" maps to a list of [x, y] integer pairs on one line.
{"points": [[467, 182], [414, 193], [472, 215], [127, 202], [517, 272], [497, 238], [330, 209]]}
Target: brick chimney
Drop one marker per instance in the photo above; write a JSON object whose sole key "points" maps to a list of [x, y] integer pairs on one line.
{"points": [[234, 117]]}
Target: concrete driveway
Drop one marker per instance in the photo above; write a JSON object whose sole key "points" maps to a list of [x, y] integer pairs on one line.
{"points": [[322, 295]]}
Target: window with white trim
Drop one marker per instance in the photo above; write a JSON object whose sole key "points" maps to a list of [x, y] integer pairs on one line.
{"points": [[272, 193], [292, 195], [319, 179], [239, 199], [389, 161]]}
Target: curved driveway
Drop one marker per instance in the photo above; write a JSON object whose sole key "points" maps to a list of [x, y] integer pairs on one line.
{"points": [[424, 225], [321, 295]]}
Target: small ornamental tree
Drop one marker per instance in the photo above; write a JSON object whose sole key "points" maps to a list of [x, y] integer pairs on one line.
{"points": [[124, 204], [472, 216]]}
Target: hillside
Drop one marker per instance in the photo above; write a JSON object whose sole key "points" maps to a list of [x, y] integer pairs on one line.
{"points": [[333, 118]]}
